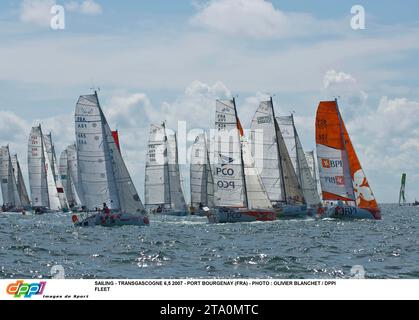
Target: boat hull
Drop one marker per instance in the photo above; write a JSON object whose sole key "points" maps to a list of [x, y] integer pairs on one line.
{"points": [[349, 213], [170, 212], [227, 215], [111, 220], [292, 212]]}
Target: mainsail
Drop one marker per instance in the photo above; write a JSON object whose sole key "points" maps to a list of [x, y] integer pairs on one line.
{"points": [[341, 174], [74, 174], [20, 182], [66, 180], [298, 158], [272, 158], [312, 164], [52, 158], [265, 151], [402, 196], [157, 188], [8, 181], [201, 175], [37, 169], [176, 194], [257, 196], [227, 158], [53, 192], [102, 171]]}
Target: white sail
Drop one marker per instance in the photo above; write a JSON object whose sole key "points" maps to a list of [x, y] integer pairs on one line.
{"points": [[9, 186], [157, 190], [20, 182], [74, 175], [129, 199], [311, 161], [53, 196], [265, 151], [292, 189], [286, 125], [66, 179], [94, 159], [228, 171], [55, 170], [298, 158], [257, 196], [4, 175], [176, 193], [36, 166], [199, 172]]}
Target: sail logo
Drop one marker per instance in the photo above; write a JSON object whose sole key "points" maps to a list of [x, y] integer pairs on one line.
{"points": [[265, 119], [329, 164], [225, 160], [20, 289], [225, 172], [338, 180], [226, 184]]}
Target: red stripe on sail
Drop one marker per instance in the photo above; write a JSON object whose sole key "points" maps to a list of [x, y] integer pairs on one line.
{"points": [[334, 197], [116, 139]]}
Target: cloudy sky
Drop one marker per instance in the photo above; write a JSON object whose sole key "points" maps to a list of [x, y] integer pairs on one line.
{"points": [[168, 60]]}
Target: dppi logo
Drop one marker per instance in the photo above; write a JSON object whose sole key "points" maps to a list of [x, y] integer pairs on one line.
{"points": [[326, 163], [27, 290]]}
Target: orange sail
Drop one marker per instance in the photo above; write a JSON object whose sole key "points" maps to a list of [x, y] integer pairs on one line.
{"points": [[364, 196], [334, 169], [341, 174]]}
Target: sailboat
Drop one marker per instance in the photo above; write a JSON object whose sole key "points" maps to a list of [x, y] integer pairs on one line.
{"points": [[239, 195], [202, 182], [312, 163], [44, 194], [13, 196], [341, 175], [163, 188], [20, 183], [274, 164], [402, 195], [69, 177], [104, 177], [50, 150]]}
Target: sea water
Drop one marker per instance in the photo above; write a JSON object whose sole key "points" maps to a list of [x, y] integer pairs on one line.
{"points": [[180, 247]]}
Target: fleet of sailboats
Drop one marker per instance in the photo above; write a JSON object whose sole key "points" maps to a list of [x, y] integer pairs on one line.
{"points": [[233, 178]]}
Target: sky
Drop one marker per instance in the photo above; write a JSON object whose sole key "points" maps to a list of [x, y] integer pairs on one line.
{"points": [[169, 60]]}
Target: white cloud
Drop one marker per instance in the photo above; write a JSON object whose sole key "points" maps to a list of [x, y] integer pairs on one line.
{"points": [[345, 87], [37, 12], [89, 7], [257, 19]]}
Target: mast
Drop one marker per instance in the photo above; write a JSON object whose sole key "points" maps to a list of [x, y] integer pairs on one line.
{"points": [[344, 143], [43, 165], [298, 169], [106, 148], [315, 173], [166, 165], [241, 155], [279, 153]]}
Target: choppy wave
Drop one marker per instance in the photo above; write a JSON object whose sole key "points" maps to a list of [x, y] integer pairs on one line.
{"points": [[174, 247]]}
